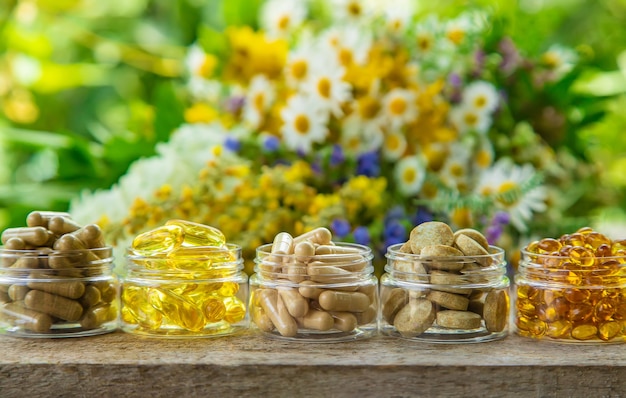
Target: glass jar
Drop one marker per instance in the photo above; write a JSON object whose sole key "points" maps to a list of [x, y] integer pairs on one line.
{"points": [[580, 300], [202, 292], [318, 298], [49, 293], [462, 299]]}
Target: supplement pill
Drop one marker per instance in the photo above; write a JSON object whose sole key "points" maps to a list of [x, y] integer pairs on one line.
{"points": [[62, 225], [344, 301], [34, 236], [318, 320], [283, 244], [285, 324], [56, 306], [320, 236], [26, 318], [297, 305]]}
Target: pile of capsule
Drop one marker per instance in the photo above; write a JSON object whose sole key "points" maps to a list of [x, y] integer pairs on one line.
{"points": [[309, 283], [180, 279], [51, 275], [573, 288]]}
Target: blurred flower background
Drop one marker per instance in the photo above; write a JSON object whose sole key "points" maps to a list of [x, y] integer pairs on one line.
{"points": [[368, 117]]}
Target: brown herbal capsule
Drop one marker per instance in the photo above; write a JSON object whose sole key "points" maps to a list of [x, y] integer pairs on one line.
{"points": [[56, 306], [62, 225], [26, 318]]}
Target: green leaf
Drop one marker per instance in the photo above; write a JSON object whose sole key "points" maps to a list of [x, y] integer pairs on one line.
{"points": [[600, 83], [168, 113], [35, 138], [213, 41], [241, 12]]}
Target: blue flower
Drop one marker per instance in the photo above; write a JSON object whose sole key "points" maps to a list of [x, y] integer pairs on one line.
{"points": [[422, 215], [232, 144], [395, 213], [361, 235], [337, 157], [271, 143], [368, 165], [394, 230], [340, 227]]}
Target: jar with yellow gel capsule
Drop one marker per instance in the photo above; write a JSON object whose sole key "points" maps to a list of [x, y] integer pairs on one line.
{"points": [[184, 280], [56, 279], [308, 288], [572, 289]]}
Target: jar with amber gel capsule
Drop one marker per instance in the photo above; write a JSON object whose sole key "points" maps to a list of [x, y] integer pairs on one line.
{"points": [[310, 289], [56, 284], [444, 296], [184, 280], [572, 289]]}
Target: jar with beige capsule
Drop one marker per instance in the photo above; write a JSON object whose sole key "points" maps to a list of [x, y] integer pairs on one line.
{"points": [[445, 287], [309, 288], [183, 280], [56, 279]]}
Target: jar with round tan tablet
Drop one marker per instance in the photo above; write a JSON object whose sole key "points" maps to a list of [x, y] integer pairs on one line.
{"points": [[309, 288], [572, 289], [445, 287], [56, 279]]}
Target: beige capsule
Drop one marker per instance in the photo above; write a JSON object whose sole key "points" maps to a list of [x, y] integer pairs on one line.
{"points": [[97, 316], [26, 318], [296, 272], [90, 297], [309, 289], [304, 251], [324, 273], [344, 321], [32, 236], [4, 297], [317, 320], [368, 316], [18, 292], [14, 243], [69, 242], [260, 318], [331, 300], [283, 244], [284, 323], [320, 236], [42, 218], [297, 305], [62, 225], [91, 236], [56, 306], [26, 262], [332, 249], [56, 285]]}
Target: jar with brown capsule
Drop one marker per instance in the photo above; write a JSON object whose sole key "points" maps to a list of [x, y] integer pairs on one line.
{"points": [[310, 289]]}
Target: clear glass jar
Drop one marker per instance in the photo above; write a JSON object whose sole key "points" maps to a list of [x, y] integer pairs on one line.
{"points": [[202, 292], [49, 293], [571, 301], [319, 298], [462, 299]]}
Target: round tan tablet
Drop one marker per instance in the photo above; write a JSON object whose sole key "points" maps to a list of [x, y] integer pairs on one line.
{"points": [[406, 248], [410, 271], [443, 278], [476, 306], [458, 319], [414, 318], [496, 310], [448, 300], [472, 233], [436, 251], [430, 233], [470, 247], [393, 302]]}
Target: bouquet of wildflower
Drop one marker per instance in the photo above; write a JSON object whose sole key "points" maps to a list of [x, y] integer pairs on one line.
{"points": [[368, 121]]}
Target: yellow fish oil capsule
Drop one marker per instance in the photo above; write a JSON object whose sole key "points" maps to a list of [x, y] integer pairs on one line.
{"points": [[198, 234], [161, 240]]}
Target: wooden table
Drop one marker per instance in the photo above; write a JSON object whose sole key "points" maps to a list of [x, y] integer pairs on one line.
{"points": [[119, 364]]}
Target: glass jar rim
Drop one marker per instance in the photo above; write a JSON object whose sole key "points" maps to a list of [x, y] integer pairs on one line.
{"points": [[230, 248], [495, 252], [525, 254], [101, 257]]}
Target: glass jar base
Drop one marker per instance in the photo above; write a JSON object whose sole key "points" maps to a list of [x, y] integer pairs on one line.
{"points": [[216, 330], [448, 336], [331, 336], [60, 331]]}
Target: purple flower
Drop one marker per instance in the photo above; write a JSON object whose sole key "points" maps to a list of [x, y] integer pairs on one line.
{"points": [[271, 143], [337, 157], [422, 215], [340, 227], [361, 235], [234, 104], [511, 58], [501, 218], [394, 230], [368, 165], [493, 233], [455, 80], [232, 144]]}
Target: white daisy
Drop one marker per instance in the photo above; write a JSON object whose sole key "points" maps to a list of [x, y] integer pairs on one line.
{"points": [[351, 10], [259, 98], [280, 17], [559, 59], [481, 96], [329, 90], [394, 145], [410, 173], [467, 119], [458, 30], [456, 168], [199, 63], [301, 62], [483, 153], [504, 181], [399, 107], [398, 15], [304, 123], [348, 43], [358, 137]]}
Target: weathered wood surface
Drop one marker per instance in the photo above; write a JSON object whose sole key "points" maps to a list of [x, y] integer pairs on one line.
{"points": [[249, 365]]}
